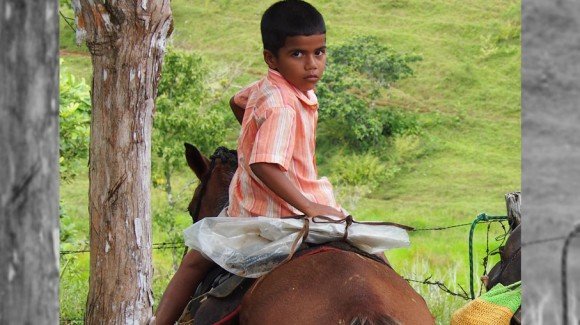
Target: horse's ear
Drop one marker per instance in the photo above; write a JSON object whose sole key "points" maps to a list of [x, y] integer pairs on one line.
{"points": [[196, 161]]}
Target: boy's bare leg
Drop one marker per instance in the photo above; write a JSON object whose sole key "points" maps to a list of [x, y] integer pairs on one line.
{"points": [[190, 273]]}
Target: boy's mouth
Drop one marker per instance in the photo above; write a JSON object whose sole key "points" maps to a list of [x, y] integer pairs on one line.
{"points": [[312, 77]]}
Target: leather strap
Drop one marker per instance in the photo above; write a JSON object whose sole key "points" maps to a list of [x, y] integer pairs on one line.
{"points": [[350, 220]]}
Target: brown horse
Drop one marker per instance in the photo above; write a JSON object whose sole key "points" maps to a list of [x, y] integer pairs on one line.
{"points": [[508, 269], [334, 287]]}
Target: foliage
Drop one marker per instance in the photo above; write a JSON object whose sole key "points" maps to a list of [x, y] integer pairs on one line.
{"points": [[441, 304], [398, 122], [67, 229], [373, 60], [74, 287], [357, 72], [187, 111], [74, 113], [167, 221], [360, 169], [357, 175], [65, 3]]}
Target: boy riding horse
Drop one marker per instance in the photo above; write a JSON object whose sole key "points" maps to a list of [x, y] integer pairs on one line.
{"points": [[276, 175]]}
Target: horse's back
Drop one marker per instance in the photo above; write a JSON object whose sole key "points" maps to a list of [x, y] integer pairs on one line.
{"points": [[334, 287]]}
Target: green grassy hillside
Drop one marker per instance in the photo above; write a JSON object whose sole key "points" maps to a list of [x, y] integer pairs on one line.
{"points": [[465, 92]]}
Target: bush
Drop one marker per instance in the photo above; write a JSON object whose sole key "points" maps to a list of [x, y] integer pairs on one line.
{"points": [[354, 176], [187, 111], [353, 170], [75, 120], [397, 123], [355, 75]]}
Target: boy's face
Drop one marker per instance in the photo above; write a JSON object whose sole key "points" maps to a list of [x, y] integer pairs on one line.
{"points": [[301, 60]]}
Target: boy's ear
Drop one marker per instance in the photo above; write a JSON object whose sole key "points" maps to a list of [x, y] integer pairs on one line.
{"points": [[270, 60]]}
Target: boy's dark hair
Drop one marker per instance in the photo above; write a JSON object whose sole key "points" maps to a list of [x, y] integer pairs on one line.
{"points": [[289, 18]]}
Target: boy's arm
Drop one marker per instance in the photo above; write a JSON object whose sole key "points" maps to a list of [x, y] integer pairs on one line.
{"points": [[238, 111], [278, 182]]}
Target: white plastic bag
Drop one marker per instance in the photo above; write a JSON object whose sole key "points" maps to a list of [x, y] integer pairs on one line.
{"points": [[251, 247]]}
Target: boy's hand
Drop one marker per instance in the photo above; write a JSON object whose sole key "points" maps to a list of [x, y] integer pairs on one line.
{"points": [[315, 209]]}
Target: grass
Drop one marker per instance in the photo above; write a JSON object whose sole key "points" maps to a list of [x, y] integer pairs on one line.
{"points": [[441, 304], [466, 93]]}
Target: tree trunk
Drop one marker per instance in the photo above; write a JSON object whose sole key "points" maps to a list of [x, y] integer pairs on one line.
{"points": [[127, 43], [29, 235]]}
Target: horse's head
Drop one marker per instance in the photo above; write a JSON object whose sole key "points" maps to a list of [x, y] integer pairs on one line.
{"points": [[508, 269], [215, 175]]}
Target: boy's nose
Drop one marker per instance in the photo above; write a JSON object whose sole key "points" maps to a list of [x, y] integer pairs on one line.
{"points": [[310, 63]]}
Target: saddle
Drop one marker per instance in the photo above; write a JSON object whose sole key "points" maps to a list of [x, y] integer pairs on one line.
{"points": [[218, 298]]}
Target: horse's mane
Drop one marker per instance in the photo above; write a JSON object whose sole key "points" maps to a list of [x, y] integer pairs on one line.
{"points": [[225, 155]]}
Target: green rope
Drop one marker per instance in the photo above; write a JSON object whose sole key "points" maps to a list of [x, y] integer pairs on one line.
{"points": [[480, 218]]}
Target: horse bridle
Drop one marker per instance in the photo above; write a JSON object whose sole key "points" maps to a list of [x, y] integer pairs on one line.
{"points": [[195, 212], [219, 153]]}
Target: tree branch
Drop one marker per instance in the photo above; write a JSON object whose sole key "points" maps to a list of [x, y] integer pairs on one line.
{"points": [[66, 19]]}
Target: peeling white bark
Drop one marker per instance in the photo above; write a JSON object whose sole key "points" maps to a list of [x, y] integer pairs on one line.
{"points": [[161, 39], [81, 33], [107, 20], [138, 232]]}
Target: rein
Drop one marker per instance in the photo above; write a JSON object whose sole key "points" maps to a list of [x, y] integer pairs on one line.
{"points": [[348, 220]]}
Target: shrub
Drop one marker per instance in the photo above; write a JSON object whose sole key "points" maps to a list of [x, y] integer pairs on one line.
{"points": [[397, 122], [354, 176], [187, 111], [355, 76], [358, 170], [75, 120]]}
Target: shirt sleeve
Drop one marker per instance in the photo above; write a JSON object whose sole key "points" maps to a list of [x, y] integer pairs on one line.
{"points": [[274, 142], [241, 97]]}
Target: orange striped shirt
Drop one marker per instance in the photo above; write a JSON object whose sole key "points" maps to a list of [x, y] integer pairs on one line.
{"points": [[279, 126]]}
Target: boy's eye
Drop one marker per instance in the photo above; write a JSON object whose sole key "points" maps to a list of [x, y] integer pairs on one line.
{"points": [[297, 54], [320, 52]]}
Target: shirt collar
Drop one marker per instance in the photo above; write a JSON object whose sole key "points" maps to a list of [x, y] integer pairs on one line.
{"points": [[309, 98]]}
